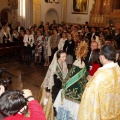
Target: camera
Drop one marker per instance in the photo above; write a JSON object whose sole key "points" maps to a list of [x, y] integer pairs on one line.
{"points": [[1, 71], [5, 82]]}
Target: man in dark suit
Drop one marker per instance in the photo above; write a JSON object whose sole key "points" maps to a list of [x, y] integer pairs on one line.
{"points": [[87, 35], [93, 33], [19, 27], [116, 36], [41, 26], [93, 46], [86, 25]]}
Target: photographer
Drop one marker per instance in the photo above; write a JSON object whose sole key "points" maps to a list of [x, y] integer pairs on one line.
{"points": [[13, 102]]}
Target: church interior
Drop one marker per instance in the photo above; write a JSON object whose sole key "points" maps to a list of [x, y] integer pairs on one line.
{"points": [[47, 15]]}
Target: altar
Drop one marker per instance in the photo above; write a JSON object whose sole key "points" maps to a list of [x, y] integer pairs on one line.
{"points": [[105, 12]]}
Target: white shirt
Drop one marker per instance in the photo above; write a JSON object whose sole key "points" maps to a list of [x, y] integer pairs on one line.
{"points": [[28, 39], [19, 29], [61, 43]]}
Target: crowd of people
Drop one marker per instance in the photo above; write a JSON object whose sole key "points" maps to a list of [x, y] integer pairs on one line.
{"points": [[82, 81], [44, 40]]}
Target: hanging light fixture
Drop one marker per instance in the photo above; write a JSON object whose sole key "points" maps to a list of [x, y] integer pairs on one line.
{"points": [[22, 8], [54, 1]]}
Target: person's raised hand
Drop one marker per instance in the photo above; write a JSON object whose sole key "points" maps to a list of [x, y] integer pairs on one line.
{"points": [[2, 89], [28, 94]]}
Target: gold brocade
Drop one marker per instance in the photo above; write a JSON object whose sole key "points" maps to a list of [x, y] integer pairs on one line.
{"points": [[48, 108], [101, 98]]}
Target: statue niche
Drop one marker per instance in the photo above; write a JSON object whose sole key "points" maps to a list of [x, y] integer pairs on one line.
{"points": [[4, 17]]}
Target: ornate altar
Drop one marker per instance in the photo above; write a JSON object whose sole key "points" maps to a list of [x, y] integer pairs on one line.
{"points": [[105, 12]]}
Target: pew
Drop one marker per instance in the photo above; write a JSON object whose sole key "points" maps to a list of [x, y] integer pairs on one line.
{"points": [[8, 48]]}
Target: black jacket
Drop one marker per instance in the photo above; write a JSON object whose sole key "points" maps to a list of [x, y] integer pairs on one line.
{"points": [[21, 28], [69, 47]]}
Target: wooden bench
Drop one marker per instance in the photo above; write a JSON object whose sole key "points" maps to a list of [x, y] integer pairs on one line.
{"points": [[8, 48]]}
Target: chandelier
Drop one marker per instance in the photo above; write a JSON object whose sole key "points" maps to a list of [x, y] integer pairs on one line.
{"points": [[54, 1]]}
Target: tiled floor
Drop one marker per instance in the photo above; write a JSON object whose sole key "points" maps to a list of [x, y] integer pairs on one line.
{"points": [[23, 75]]}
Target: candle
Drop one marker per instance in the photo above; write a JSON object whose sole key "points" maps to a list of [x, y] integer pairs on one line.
{"points": [[95, 18], [98, 19], [102, 19]]}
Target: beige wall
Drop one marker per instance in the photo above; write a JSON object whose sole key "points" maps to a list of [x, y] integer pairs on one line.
{"points": [[36, 12], [3, 3], [45, 7], [40, 8]]}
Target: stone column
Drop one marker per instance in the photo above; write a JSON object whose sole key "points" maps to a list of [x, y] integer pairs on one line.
{"points": [[64, 9], [36, 12]]}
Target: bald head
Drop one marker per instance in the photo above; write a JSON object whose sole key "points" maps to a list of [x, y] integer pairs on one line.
{"points": [[94, 45]]}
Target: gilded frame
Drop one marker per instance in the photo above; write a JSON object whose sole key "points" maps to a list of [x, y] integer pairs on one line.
{"points": [[80, 6]]}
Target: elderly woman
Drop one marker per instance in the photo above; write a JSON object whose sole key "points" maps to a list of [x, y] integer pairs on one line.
{"points": [[53, 82]]}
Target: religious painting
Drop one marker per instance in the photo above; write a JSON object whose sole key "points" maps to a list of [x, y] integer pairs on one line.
{"points": [[13, 4], [80, 6]]}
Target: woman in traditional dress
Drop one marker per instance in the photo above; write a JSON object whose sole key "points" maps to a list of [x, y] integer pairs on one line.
{"points": [[53, 83], [68, 99]]}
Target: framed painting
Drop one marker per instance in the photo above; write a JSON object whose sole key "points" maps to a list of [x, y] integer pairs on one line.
{"points": [[13, 4], [80, 6]]}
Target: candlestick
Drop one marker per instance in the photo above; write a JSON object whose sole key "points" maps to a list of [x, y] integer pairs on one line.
{"points": [[95, 18], [98, 18], [102, 19]]}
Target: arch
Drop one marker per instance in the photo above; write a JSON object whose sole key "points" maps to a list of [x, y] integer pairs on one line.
{"points": [[51, 15]]}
